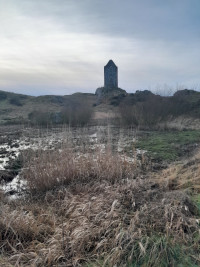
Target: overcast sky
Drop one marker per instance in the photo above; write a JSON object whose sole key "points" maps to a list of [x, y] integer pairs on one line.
{"points": [[61, 46]]}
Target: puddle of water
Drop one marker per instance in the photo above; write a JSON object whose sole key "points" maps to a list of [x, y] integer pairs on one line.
{"points": [[94, 138]]}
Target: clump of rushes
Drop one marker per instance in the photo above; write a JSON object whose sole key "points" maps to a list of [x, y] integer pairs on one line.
{"points": [[47, 170]]}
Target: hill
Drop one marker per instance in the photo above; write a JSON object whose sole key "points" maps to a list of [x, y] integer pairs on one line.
{"points": [[18, 108], [142, 108]]}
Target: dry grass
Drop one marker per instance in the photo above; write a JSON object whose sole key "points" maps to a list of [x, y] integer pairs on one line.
{"points": [[180, 123], [1, 195], [107, 224], [98, 209], [48, 169], [184, 175]]}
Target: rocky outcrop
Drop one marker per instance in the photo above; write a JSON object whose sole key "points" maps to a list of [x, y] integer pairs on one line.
{"points": [[104, 93]]}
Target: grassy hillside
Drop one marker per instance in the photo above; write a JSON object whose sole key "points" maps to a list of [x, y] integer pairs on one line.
{"points": [[17, 108], [141, 109]]}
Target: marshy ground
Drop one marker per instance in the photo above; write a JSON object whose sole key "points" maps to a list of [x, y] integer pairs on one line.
{"points": [[99, 196]]}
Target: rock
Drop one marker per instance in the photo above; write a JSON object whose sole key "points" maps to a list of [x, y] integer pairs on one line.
{"points": [[105, 93]]}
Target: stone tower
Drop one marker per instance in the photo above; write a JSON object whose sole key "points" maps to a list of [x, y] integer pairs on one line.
{"points": [[111, 75]]}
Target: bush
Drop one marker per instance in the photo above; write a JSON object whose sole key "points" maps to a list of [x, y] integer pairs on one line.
{"points": [[146, 113], [76, 113], [42, 118], [147, 109], [3, 95], [15, 100], [116, 100]]}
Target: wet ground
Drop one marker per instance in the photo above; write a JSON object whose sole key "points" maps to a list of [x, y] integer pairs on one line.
{"points": [[16, 140]]}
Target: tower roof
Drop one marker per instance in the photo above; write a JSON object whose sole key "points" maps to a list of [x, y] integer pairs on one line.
{"points": [[110, 62]]}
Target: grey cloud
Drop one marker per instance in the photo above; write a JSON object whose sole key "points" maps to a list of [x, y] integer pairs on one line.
{"points": [[167, 20], [61, 46]]}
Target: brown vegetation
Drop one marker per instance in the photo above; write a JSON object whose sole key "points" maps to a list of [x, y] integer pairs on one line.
{"points": [[76, 113], [184, 175], [114, 225], [97, 210], [49, 169], [145, 112], [146, 109]]}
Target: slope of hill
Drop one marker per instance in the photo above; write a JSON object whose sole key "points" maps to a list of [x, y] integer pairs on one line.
{"points": [[17, 108], [142, 108]]}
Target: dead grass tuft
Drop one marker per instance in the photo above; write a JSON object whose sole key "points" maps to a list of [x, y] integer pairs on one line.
{"points": [[19, 228], [184, 175], [50, 169]]}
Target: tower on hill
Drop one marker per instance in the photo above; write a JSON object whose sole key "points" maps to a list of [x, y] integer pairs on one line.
{"points": [[111, 75]]}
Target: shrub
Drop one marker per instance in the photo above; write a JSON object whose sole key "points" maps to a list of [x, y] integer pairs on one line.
{"points": [[15, 100], [145, 112], [76, 113], [40, 117], [3, 95], [140, 114], [147, 109]]}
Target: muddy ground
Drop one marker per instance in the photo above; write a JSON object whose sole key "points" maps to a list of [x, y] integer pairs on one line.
{"points": [[16, 140]]}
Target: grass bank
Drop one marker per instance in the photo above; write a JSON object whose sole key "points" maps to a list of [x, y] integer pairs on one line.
{"points": [[169, 146]]}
